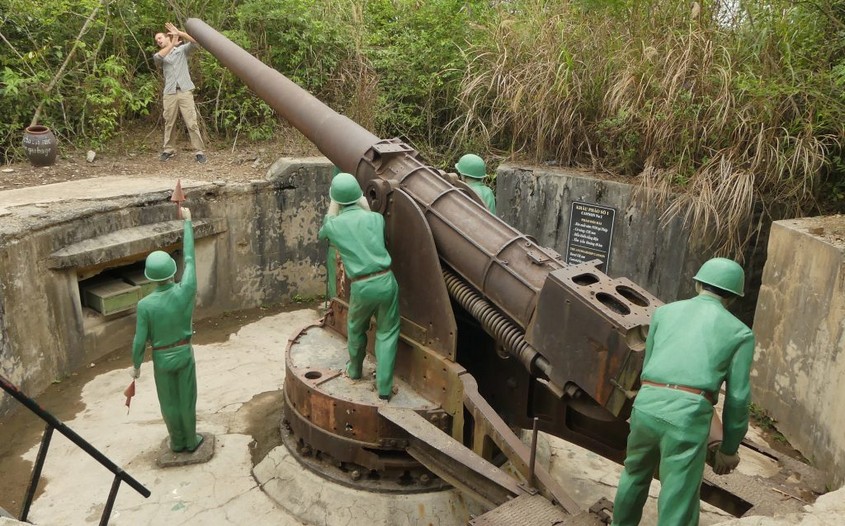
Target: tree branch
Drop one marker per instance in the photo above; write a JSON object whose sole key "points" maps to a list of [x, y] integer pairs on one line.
{"points": [[61, 70], [16, 53]]}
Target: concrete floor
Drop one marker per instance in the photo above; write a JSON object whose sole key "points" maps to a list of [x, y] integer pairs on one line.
{"points": [[235, 377]]}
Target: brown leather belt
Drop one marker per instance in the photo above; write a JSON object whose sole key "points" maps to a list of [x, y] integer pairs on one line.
{"points": [[368, 276], [694, 390], [184, 341]]}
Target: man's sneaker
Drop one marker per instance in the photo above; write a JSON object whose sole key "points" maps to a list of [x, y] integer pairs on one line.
{"points": [[166, 155], [201, 158]]}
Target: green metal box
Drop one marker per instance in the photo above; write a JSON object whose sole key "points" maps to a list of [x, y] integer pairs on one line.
{"points": [[137, 277], [111, 296]]}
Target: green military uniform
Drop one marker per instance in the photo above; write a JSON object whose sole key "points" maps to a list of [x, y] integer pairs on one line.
{"points": [[358, 235], [694, 343], [474, 170], [331, 256], [484, 192], [164, 319]]}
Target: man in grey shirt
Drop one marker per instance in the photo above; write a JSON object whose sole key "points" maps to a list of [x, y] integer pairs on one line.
{"points": [[178, 88]]}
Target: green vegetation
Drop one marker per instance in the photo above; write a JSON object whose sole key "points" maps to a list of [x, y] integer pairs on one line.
{"points": [[300, 299], [709, 109], [761, 417], [728, 107]]}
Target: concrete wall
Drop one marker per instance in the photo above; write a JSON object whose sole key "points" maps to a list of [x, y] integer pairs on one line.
{"points": [[799, 365], [659, 256], [538, 202], [256, 244]]}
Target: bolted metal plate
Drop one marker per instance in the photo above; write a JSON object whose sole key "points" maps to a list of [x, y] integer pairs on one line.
{"points": [[525, 510], [409, 477]]}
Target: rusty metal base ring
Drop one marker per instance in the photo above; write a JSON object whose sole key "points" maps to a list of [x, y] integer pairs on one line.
{"points": [[409, 477]]}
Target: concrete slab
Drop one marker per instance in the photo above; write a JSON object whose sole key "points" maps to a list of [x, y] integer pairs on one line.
{"points": [[126, 242], [227, 490], [222, 491], [307, 496], [588, 477], [169, 459], [99, 188], [828, 510]]}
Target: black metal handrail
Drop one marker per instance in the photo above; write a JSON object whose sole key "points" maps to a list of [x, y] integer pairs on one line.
{"points": [[54, 423]]}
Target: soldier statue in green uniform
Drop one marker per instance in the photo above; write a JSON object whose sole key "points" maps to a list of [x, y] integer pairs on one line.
{"points": [[693, 346], [164, 319], [358, 234], [473, 171]]}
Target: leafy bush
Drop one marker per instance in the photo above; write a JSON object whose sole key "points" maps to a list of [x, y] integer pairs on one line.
{"points": [[86, 102], [713, 105], [416, 51]]}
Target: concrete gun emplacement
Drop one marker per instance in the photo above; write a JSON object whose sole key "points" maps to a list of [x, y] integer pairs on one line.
{"points": [[497, 332]]}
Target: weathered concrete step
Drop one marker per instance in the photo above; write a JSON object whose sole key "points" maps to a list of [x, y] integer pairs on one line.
{"points": [[128, 242]]}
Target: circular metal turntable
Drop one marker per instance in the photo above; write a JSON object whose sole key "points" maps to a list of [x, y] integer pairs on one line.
{"points": [[332, 425]]}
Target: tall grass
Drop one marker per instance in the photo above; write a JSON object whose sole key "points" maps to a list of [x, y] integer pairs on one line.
{"points": [[709, 114], [711, 111]]}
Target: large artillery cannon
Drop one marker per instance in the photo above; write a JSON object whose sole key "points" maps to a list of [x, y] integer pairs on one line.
{"points": [[497, 331]]}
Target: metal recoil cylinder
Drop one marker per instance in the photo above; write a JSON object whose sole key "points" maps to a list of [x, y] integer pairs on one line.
{"points": [[496, 324]]}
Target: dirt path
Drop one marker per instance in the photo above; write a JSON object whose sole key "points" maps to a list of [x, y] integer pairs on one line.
{"points": [[137, 155]]}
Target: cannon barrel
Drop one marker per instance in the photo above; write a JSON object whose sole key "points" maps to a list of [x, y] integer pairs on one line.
{"points": [[339, 138], [588, 326], [506, 266]]}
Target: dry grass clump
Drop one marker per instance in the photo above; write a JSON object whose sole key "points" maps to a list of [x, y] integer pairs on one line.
{"points": [[354, 82], [710, 114]]}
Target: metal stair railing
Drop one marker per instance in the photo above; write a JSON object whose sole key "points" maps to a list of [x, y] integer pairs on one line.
{"points": [[54, 423]]}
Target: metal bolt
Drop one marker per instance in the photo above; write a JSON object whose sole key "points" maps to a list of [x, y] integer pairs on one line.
{"points": [[306, 451], [425, 480], [355, 474]]}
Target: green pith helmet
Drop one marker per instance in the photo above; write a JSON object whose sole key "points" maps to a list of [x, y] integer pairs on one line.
{"points": [[345, 189], [471, 165], [722, 273], [160, 266]]}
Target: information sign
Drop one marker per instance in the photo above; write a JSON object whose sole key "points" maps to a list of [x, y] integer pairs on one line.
{"points": [[590, 233]]}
